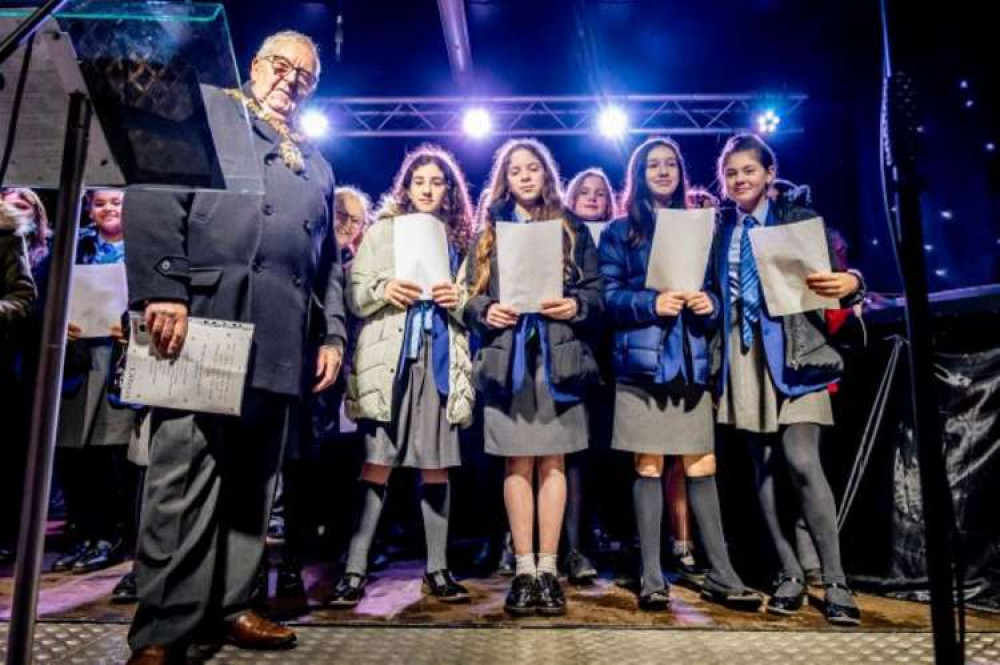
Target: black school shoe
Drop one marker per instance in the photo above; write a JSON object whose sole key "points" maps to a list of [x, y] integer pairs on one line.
{"points": [[66, 561], [841, 610], [688, 569], [788, 597], [102, 554], [443, 586], [740, 598], [125, 591], [655, 601], [578, 568], [289, 583], [551, 601], [348, 591], [522, 599]]}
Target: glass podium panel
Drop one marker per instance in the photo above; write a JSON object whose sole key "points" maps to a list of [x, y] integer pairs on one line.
{"points": [[156, 73]]}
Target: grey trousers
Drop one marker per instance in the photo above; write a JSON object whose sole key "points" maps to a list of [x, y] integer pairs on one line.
{"points": [[206, 502]]}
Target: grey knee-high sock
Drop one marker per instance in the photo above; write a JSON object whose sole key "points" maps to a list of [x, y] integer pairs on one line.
{"points": [[800, 443], [703, 498], [647, 494], [804, 546], [764, 462], [372, 500], [435, 505], [574, 505]]}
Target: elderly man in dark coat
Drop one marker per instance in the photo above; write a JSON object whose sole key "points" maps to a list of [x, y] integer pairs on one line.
{"points": [[269, 260]]}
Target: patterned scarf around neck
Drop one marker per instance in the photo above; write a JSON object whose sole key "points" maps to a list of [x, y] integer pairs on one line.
{"points": [[288, 147]]}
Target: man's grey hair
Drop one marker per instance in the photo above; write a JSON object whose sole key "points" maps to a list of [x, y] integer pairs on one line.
{"points": [[270, 45]]}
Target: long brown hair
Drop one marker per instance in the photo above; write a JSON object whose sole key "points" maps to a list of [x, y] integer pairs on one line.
{"points": [[456, 208], [637, 199], [498, 192], [574, 186]]}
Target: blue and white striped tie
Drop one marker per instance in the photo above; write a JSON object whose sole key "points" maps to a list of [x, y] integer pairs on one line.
{"points": [[749, 284]]}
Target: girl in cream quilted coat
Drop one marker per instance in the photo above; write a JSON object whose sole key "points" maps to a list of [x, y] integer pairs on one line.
{"points": [[410, 388]]}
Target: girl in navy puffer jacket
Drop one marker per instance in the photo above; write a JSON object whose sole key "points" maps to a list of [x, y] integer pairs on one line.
{"points": [[662, 402]]}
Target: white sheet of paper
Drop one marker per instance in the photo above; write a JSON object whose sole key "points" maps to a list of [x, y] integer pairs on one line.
{"points": [[530, 263], [420, 247], [682, 243], [98, 298], [596, 231], [785, 255], [208, 375]]}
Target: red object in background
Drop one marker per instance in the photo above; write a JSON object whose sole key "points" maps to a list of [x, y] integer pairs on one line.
{"points": [[835, 320]]}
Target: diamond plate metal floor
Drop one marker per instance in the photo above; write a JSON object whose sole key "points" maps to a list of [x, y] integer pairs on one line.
{"points": [[104, 644]]}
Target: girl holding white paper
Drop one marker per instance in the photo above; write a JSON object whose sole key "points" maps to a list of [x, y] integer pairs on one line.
{"points": [[775, 371], [93, 435], [662, 402], [533, 369], [410, 386]]}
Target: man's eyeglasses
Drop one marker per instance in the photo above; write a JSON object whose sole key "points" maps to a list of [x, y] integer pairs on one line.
{"points": [[282, 67]]}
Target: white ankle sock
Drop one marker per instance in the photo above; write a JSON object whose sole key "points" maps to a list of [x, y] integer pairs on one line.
{"points": [[524, 564], [547, 564]]}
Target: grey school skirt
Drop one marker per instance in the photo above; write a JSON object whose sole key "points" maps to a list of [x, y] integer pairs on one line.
{"points": [[750, 402], [663, 420], [535, 424], [420, 436]]}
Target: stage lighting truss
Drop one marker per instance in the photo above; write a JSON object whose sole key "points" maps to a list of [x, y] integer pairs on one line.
{"points": [[691, 114]]}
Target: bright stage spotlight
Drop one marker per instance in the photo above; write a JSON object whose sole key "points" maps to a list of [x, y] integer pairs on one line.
{"points": [[612, 122], [477, 123], [314, 124], [768, 121]]}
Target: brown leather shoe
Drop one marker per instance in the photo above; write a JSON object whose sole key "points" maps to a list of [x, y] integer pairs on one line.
{"points": [[252, 631], [151, 655]]}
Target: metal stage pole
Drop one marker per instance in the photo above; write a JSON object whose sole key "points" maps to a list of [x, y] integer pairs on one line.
{"points": [[900, 155], [48, 382]]}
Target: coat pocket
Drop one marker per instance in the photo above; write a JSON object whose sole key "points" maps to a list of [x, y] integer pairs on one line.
{"points": [[572, 365], [490, 371], [807, 347], [205, 279]]}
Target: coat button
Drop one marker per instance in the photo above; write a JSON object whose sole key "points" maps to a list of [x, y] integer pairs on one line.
{"points": [[257, 266], [267, 209], [297, 280], [269, 159], [165, 265]]}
